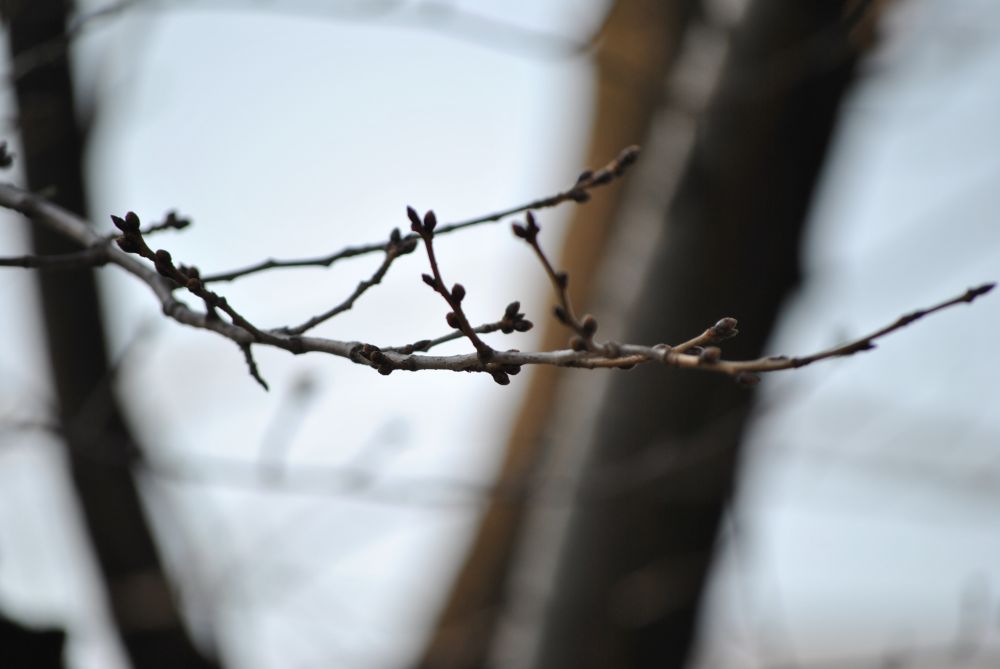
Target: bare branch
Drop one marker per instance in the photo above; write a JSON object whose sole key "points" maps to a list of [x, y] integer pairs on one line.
{"points": [[578, 192], [586, 328], [92, 257], [396, 247], [164, 278]]}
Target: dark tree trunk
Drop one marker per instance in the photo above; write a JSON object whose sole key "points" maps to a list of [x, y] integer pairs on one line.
{"points": [[637, 46], [641, 545], [100, 447]]}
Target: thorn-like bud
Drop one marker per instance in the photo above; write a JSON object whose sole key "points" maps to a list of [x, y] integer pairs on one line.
{"points": [[163, 263], [725, 328], [512, 309], [533, 227], [601, 177], [626, 158], [710, 355], [395, 236], [176, 222], [415, 224], [519, 230], [452, 320], [562, 280], [584, 176], [577, 343], [458, 292], [500, 377], [589, 325], [127, 244], [430, 220], [429, 280], [560, 314]]}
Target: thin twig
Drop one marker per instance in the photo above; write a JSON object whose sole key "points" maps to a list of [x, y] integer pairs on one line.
{"points": [[564, 312], [579, 192], [456, 318], [95, 256], [165, 278], [395, 248]]}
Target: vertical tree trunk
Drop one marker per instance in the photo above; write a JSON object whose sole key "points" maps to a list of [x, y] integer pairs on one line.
{"points": [[642, 540], [100, 448], [637, 46]]}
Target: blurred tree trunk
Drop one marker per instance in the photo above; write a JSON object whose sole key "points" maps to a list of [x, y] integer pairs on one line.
{"points": [[99, 446], [640, 546], [637, 45]]}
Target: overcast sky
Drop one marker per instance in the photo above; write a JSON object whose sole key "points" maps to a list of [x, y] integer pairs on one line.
{"points": [[869, 505]]}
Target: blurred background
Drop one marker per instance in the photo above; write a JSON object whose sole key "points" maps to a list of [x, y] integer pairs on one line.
{"points": [[814, 169]]}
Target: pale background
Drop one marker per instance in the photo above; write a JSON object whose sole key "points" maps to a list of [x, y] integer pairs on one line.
{"points": [[866, 525]]}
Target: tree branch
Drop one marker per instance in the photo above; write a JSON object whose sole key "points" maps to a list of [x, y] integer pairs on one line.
{"points": [[579, 192], [165, 277]]}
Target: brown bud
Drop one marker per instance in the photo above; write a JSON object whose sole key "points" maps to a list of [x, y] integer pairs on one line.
{"points": [[127, 244], [560, 314], [430, 221], [577, 343], [533, 228], [415, 224], [512, 309], [394, 236], [452, 319], [501, 377], [458, 292], [523, 325], [429, 280], [132, 221], [589, 325], [602, 177], [626, 158], [710, 354], [725, 328], [562, 280]]}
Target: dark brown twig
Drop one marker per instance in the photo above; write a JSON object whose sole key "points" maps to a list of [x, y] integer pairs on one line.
{"points": [[95, 256], [512, 321], [584, 328], [456, 318], [397, 247], [579, 192], [164, 278]]}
